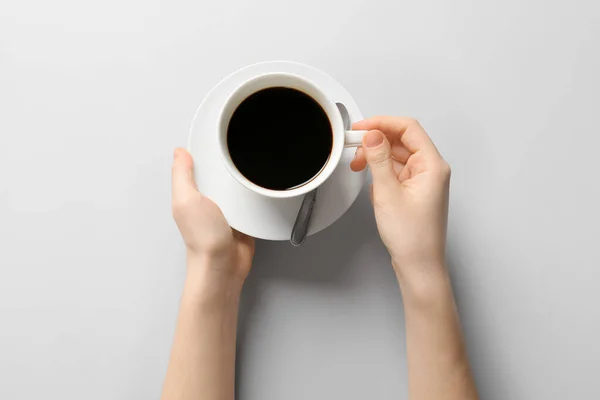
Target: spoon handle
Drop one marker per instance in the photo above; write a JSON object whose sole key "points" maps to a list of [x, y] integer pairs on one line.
{"points": [[300, 229]]}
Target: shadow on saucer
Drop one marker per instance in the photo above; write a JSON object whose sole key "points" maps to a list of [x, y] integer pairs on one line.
{"points": [[324, 258]]}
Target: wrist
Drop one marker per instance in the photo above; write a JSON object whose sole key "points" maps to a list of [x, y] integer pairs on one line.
{"points": [[423, 285], [223, 265], [211, 281]]}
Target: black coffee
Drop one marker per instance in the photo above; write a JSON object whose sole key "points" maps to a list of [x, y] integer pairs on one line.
{"points": [[279, 138]]}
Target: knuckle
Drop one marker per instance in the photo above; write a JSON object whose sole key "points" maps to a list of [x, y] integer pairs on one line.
{"points": [[442, 169], [411, 121], [446, 169], [181, 206], [380, 159], [380, 162], [176, 210]]}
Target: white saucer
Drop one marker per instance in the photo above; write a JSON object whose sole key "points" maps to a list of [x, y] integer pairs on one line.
{"points": [[246, 211]]}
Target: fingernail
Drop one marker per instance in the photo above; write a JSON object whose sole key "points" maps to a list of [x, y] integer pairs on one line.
{"points": [[373, 139], [176, 154]]}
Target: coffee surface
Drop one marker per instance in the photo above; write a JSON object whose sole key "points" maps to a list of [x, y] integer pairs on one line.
{"points": [[279, 138]]}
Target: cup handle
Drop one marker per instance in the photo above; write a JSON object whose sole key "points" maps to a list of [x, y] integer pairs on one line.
{"points": [[354, 138]]}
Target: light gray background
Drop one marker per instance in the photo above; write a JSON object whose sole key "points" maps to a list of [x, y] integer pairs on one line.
{"points": [[95, 95]]}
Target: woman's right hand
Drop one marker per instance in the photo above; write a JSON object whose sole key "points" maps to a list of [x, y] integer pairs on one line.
{"points": [[409, 193]]}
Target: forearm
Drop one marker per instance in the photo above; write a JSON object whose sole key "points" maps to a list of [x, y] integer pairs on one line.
{"points": [[202, 364], [438, 366]]}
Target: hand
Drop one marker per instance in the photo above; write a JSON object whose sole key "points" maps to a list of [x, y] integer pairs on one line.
{"points": [[209, 239], [410, 197], [409, 192]]}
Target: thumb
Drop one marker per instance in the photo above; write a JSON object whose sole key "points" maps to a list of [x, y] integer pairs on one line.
{"points": [[182, 174], [378, 153]]}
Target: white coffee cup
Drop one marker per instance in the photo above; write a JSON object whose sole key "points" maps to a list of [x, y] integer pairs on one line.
{"points": [[341, 137]]}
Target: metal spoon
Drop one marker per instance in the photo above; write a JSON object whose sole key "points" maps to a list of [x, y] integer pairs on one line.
{"points": [[345, 116], [300, 229]]}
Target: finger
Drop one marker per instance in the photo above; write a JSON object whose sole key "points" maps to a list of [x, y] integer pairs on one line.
{"points": [[398, 167], [404, 174], [359, 162], [399, 152], [241, 236], [408, 130], [379, 157], [246, 240], [182, 174]]}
